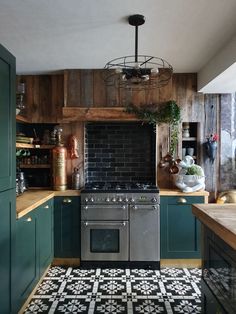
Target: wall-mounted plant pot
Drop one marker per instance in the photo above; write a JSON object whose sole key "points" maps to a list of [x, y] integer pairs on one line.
{"points": [[211, 150]]}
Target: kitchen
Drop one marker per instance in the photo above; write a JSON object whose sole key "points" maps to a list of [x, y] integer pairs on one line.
{"points": [[73, 97]]}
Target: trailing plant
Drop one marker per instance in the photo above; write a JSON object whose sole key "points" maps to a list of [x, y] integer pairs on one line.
{"points": [[168, 112]]}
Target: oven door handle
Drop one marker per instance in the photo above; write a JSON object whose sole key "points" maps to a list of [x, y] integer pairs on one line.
{"points": [[101, 223]]}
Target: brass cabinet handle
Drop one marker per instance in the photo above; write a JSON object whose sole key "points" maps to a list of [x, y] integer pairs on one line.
{"points": [[29, 219], [47, 206], [67, 200], [182, 200]]}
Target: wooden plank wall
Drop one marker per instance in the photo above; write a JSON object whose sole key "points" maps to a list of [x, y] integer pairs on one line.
{"points": [[227, 149], [46, 96]]}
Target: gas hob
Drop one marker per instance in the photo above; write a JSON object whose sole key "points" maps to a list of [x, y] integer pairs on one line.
{"points": [[120, 187]]}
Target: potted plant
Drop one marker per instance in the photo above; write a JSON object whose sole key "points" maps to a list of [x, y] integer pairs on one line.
{"points": [[168, 112]]}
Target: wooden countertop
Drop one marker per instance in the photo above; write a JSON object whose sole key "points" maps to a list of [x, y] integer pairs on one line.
{"points": [[220, 218], [31, 199], [176, 192]]}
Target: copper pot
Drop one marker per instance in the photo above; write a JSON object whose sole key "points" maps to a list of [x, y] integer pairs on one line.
{"points": [[174, 169]]}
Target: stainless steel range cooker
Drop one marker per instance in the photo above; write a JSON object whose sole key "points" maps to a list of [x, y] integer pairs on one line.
{"points": [[120, 222]]}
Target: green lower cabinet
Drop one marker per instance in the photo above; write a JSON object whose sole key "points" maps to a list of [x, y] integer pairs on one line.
{"points": [[45, 235], [180, 230], [67, 227], [7, 207], [32, 252], [25, 265]]}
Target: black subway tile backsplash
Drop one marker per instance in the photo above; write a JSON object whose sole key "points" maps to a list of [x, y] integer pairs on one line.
{"points": [[121, 152]]}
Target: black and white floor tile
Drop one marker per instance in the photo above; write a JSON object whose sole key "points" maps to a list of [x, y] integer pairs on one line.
{"points": [[123, 291]]}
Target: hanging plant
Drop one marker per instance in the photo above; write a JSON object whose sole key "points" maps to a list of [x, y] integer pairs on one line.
{"points": [[169, 113]]}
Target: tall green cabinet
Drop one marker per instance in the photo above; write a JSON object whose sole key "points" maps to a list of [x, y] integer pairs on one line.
{"points": [[7, 173]]}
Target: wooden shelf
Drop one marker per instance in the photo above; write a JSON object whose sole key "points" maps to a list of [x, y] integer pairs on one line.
{"points": [[25, 145], [20, 118], [97, 114], [35, 166], [189, 139]]}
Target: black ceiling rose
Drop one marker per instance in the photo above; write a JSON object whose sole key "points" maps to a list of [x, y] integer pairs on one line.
{"points": [[136, 20]]}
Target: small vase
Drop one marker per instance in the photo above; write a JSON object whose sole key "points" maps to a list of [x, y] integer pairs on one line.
{"points": [[211, 149]]}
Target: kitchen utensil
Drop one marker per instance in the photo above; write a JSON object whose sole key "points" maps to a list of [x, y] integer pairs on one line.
{"points": [[168, 157], [162, 163], [174, 168]]}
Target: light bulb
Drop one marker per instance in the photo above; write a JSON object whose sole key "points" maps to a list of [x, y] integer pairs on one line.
{"points": [[154, 71]]}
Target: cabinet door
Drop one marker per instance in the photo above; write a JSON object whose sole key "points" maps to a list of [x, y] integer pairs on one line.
{"points": [[7, 120], [180, 230], [25, 265], [7, 208], [67, 227], [45, 235]]}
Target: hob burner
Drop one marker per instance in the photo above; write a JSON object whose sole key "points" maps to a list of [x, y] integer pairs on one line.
{"points": [[120, 186]]}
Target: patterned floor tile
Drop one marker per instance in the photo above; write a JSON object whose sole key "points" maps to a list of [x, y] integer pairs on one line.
{"points": [[128, 291]]}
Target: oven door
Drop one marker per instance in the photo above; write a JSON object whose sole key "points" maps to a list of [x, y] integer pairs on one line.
{"points": [[104, 240]]}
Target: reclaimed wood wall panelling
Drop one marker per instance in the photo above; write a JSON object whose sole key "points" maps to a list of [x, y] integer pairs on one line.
{"points": [[211, 126], [228, 142], [86, 88], [57, 96], [72, 90], [99, 90]]}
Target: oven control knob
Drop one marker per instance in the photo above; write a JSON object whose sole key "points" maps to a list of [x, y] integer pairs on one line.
{"points": [[113, 199], [107, 199], [86, 200], [154, 200], [91, 199], [126, 200], [119, 199], [132, 200]]}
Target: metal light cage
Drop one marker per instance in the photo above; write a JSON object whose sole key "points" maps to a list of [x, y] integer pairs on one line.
{"points": [[137, 72]]}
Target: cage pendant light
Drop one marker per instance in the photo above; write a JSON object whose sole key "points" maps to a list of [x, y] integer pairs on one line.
{"points": [[137, 72]]}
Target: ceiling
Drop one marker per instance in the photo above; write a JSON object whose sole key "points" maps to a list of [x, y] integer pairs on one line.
{"points": [[49, 35]]}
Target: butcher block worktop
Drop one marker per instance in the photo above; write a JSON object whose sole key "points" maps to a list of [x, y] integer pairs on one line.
{"points": [[176, 192], [31, 199], [220, 218]]}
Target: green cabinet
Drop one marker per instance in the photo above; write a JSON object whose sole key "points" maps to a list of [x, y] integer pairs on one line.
{"points": [[45, 235], [7, 208], [7, 173], [67, 227], [25, 266], [7, 120], [180, 230], [33, 251]]}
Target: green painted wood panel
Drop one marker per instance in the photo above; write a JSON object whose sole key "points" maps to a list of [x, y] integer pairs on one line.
{"points": [[67, 227], [25, 272], [7, 120], [180, 230], [45, 235], [7, 209]]}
